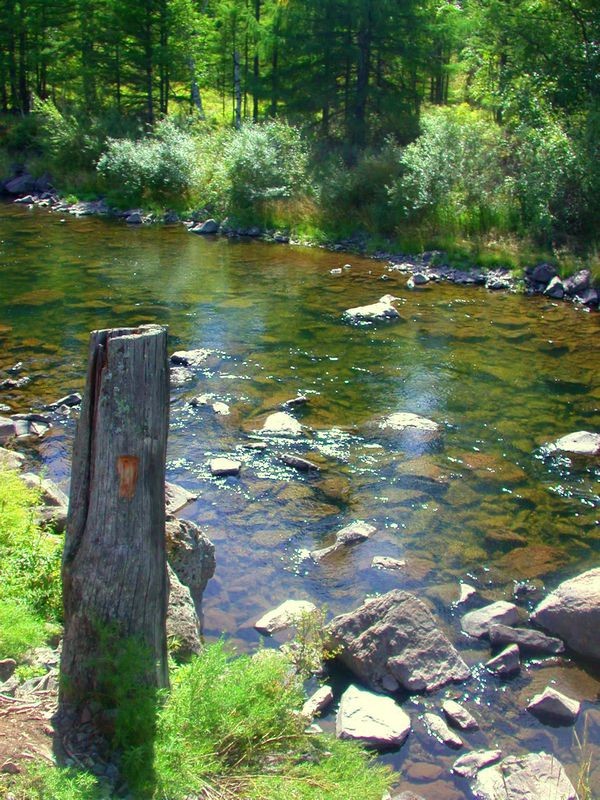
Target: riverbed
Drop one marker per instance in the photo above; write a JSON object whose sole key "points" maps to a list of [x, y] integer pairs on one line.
{"points": [[489, 505]]}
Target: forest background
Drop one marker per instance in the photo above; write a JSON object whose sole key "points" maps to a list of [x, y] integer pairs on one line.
{"points": [[469, 125]]}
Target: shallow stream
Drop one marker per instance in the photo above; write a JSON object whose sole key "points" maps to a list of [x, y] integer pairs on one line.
{"points": [[503, 374]]}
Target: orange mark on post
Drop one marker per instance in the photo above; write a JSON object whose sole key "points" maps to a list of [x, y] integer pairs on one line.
{"points": [[127, 470]]}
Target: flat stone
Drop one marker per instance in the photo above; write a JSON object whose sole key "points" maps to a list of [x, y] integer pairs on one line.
{"points": [[301, 464], [70, 400], [553, 706], [220, 467], [440, 731], [351, 534], [189, 358], [176, 497], [374, 720], [424, 772], [317, 702], [281, 423], [580, 443], [381, 310], [386, 562], [405, 421], [528, 640], [537, 776], [284, 616], [572, 612], [477, 623], [392, 641], [468, 766], [505, 663], [458, 716], [10, 459]]}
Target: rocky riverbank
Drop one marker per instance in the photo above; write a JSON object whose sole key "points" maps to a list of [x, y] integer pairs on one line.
{"points": [[421, 270]]}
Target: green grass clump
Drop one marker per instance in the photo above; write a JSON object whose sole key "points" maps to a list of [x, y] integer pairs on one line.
{"points": [[46, 782], [30, 592], [231, 724]]}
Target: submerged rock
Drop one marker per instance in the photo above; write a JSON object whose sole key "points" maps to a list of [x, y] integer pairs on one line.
{"points": [[284, 616], [458, 716], [386, 562], [468, 766], [537, 776], [572, 612], [374, 720], [393, 641], [403, 421], [553, 706], [528, 640], [440, 731], [281, 423], [351, 534], [301, 464]]}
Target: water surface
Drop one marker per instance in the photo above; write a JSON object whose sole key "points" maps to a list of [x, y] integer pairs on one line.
{"points": [[503, 374]]}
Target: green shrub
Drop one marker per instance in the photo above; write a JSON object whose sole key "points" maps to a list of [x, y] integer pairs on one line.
{"points": [[20, 628], [45, 782], [159, 168]]}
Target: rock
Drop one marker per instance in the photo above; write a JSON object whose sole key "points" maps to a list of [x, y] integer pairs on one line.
{"points": [[7, 668], [7, 429], [440, 731], [505, 663], [179, 376], [528, 640], [284, 616], [543, 274], [189, 358], [536, 776], [392, 641], [405, 796], [282, 424], [170, 218], [10, 686], [371, 719], [386, 562], [300, 400], [134, 219], [477, 623], [555, 289], [176, 497], [317, 702], [580, 443], [466, 593], [498, 280], [70, 400], [22, 184], [10, 459], [336, 271], [183, 624], [351, 534], [26, 200], [206, 401], [221, 467], [404, 422], [51, 494], [468, 766], [190, 553], [418, 279], [458, 716], [209, 226], [29, 426], [580, 282], [572, 612], [588, 298], [554, 706], [381, 310], [301, 464]]}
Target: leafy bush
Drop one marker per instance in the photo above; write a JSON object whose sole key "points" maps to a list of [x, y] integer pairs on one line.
{"points": [[70, 142], [160, 167]]}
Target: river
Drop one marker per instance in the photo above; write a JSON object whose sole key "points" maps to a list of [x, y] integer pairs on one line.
{"points": [[503, 374]]}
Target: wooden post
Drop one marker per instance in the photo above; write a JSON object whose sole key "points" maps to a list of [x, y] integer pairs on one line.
{"points": [[114, 564]]}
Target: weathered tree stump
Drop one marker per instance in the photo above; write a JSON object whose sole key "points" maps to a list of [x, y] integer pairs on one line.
{"points": [[114, 564]]}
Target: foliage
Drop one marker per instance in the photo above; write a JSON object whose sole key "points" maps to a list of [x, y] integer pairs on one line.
{"points": [[30, 591], [43, 781], [160, 166], [231, 723]]}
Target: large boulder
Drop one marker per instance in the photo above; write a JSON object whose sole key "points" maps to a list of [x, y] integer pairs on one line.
{"points": [[393, 641], [553, 706], [536, 776], [477, 623], [190, 553], [572, 612], [371, 719], [183, 624], [284, 616]]}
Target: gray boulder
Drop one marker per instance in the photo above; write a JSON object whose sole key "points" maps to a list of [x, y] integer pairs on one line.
{"points": [[555, 289], [440, 731], [7, 429], [543, 274], [381, 310], [578, 283], [176, 497], [572, 612], [284, 616], [221, 467], [10, 459], [580, 443], [190, 553], [209, 226], [189, 358], [536, 776], [317, 702], [393, 641], [477, 623], [184, 628], [405, 422], [374, 720], [554, 706], [301, 464], [351, 534], [528, 640], [281, 424], [459, 717], [505, 663], [468, 766]]}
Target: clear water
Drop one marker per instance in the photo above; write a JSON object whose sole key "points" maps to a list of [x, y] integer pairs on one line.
{"points": [[503, 374]]}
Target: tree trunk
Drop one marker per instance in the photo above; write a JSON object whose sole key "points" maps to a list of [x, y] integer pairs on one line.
{"points": [[114, 563], [237, 90], [195, 95]]}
